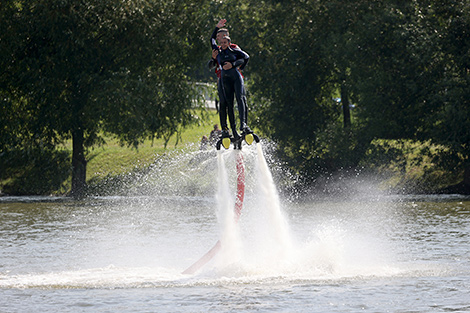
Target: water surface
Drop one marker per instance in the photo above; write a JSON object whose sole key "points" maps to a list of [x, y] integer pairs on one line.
{"points": [[127, 254]]}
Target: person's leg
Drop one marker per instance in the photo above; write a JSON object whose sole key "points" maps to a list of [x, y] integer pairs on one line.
{"points": [[229, 94], [241, 101], [222, 106]]}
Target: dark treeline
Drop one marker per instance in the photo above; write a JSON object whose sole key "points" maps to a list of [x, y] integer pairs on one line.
{"points": [[326, 79], [400, 68]]}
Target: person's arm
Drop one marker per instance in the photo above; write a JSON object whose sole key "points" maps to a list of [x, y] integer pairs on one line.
{"points": [[219, 25], [234, 46], [242, 59], [212, 64], [213, 39]]}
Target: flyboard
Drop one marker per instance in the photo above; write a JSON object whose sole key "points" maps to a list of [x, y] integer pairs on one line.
{"points": [[225, 142]]}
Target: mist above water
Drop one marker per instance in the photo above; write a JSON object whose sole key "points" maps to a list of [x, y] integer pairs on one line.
{"points": [[175, 212], [351, 241]]}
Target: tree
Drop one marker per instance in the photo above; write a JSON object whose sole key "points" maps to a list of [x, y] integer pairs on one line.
{"points": [[302, 55], [400, 62], [288, 100], [449, 119], [78, 69]]}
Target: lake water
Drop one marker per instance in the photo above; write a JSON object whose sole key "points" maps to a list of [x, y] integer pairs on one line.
{"points": [[127, 253]]}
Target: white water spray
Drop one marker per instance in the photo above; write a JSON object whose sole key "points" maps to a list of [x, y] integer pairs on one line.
{"points": [[265, 241], [266, 245], [269, 197], [145, 242], [229, 232], [270, 244]]}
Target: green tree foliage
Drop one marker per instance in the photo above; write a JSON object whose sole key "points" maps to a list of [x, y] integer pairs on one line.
{"points": [[403, 64], [449, 121], [396, 70], [76, 69], [415, 78], [291, 103]]}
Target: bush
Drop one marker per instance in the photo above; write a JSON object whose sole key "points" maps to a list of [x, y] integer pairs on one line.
{"points": [[34, 171]]}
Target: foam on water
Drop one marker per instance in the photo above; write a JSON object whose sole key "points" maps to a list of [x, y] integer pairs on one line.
{"points": [[106, 277], [302, 271]]}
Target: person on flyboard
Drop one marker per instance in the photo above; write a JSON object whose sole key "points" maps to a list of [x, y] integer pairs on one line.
{"points": [[216, 36], [228, 60]]}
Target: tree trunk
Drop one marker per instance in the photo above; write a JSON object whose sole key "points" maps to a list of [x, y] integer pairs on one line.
{"points": [[78, 164], [345, 104], [466, 175]]}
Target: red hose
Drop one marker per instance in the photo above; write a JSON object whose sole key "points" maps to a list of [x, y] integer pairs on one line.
{"points": [[240, 186]]}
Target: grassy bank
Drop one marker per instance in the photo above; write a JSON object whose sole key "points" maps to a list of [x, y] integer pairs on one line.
{"points": [[409, 166], [399, 166], [113, 159], [48, 172], [402, 166]]}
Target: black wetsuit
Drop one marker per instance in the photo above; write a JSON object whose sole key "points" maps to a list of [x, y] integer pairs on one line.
{"points": [[230, 84]]}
